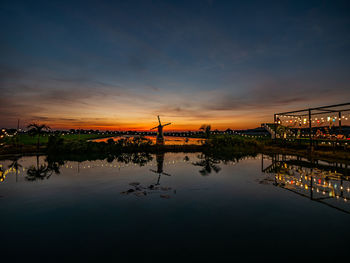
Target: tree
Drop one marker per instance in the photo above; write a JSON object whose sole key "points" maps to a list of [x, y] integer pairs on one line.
{"points": [[37, 130], [206, 128]]}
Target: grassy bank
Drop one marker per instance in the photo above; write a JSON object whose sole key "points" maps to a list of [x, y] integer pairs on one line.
{"points": [[24, 143], [26, 139]]}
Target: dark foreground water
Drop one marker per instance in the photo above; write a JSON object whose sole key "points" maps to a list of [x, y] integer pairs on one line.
{"points": [[165, 207]]}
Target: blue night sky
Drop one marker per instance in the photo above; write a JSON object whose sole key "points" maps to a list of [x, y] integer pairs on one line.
{"points": [[118, 64]]}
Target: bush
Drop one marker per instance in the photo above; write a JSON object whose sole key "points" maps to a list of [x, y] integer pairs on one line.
{"points": [[229, 141]]}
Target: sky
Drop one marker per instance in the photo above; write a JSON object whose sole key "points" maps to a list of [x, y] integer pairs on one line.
{"points": [[114, 65]]}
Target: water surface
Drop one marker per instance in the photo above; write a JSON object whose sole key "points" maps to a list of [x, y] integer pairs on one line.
{"points": [[158, 207]]}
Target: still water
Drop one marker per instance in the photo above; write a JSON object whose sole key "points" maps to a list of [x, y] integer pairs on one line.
{"points": [[173, 205]]}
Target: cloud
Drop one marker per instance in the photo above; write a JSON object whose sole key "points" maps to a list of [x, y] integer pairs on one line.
{"points": [[125, 63]]}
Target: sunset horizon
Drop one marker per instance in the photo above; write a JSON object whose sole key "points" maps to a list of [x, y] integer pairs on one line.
{"points": [[181, 130], [119, 65]]}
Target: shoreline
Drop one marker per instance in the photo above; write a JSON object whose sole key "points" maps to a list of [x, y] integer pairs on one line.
{"points": [[326, 155]]}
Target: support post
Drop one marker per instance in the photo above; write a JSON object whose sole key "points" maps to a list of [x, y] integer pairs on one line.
{"points": [[310, 128], [339, 121], [275, 126], [311, 190]]}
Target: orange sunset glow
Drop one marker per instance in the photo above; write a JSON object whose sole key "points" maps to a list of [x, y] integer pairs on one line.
{"points": [[175, 130], [182, 67]]}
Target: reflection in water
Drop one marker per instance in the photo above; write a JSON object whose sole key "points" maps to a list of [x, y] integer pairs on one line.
{"points": [[2, 176], [15, 166], [160, 163], [42, 171], [325, 183], [136, 158], [243, 215], [140, 190], [52, 163], [208, 163]]}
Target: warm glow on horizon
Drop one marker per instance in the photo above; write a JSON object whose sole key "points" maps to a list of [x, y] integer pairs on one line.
{"points": [[177, 125], [97, 67]]}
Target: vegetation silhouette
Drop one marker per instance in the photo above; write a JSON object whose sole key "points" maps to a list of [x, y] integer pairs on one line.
{"points": [[206, 128], [139, 158], [57, 145], [42, 171], [36, 129]]}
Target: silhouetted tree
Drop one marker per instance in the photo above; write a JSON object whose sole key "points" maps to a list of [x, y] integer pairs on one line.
{"points": [[206, 128], [55, 143], [37, 130]]}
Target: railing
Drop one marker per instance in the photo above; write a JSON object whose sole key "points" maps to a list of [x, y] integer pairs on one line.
{"points": [[269, 129]]}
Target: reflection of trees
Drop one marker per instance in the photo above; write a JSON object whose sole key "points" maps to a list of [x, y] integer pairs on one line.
{"points": [[110, 158], [137, 158], [2, 178], [15, 165], [42, 171], [210, 160], [208, 163]]}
